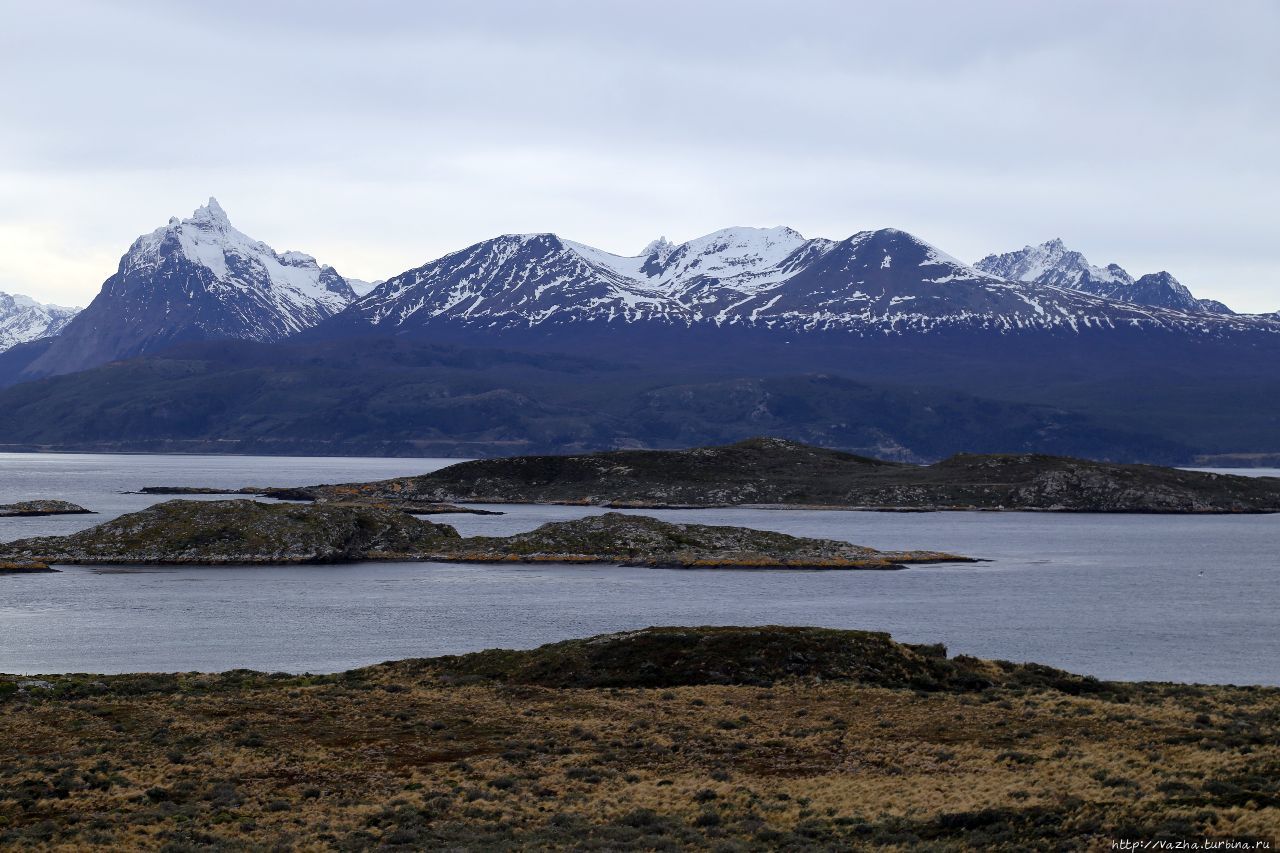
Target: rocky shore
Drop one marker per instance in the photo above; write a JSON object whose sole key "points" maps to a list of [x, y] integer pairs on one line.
{"points": [[726, 738], [774, 472], [42, 507], [248, 532]]}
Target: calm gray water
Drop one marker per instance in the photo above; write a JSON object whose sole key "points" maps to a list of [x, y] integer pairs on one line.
{"points": [[1131, 597]]}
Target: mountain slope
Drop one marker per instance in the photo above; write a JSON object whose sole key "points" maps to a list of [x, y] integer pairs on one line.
{"points": [[1053, 263], [871, 284], [196, 279], [397, 397], [22, 319]]}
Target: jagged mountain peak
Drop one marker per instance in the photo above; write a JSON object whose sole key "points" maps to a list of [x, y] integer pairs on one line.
{"points": [[208, 239], [211, 214], [1052, 263], [660, 249], [194, 279], [1163, 277]]}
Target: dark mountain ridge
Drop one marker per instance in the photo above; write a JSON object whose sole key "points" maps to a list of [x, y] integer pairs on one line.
{"points": [[389, 396]]}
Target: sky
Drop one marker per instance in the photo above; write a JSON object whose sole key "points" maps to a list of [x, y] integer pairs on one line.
{"points": [[380, 135]]}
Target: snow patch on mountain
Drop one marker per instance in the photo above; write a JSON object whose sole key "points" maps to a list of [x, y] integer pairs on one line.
{"points": [[743, 259]]}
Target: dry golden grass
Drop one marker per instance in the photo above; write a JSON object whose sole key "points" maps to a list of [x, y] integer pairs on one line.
{"points": [[395, 757]]}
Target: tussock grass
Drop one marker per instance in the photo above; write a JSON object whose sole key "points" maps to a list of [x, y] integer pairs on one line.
{"points": [[466, 753]]}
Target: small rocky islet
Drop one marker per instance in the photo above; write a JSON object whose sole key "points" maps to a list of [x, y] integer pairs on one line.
{"points": [[249, 532], [778, 473], [42, 507]]}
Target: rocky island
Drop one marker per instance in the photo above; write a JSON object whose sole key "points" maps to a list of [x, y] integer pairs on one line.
{"points": [[248, 532], [775, 472], [239, 532], [42, 507], [289, 493], [637, 540], [730, 738]]}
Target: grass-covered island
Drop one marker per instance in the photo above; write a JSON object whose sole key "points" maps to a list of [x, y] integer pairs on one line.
{"points": [[249, 532], [774, 472], [662, 739]]}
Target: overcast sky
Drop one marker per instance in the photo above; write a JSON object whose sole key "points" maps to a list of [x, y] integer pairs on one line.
{"points": [[380, 135]]}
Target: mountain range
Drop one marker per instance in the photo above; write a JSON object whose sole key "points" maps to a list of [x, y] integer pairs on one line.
{"points": [[670, 345], [872, 283], [23, 319]]}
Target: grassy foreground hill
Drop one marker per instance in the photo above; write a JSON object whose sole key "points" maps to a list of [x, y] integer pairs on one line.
{"points": [[676, 738]]}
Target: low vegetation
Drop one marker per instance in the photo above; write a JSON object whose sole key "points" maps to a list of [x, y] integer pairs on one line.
{"points": [[713, 738]]}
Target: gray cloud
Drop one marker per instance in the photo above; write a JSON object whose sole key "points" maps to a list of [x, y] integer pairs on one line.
{"points": [[380, 135]]}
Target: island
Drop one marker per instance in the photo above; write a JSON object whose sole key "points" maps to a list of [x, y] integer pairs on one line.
{"points": [[42, 507], [292, 494], [778, 473], [240, 532], [637, 540], [670, 738], [249, 532]]}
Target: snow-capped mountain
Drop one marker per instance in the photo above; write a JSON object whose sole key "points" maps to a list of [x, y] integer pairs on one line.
{"points": [[874, 282], [1053, 263], [23, 319], [196, 279]]}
